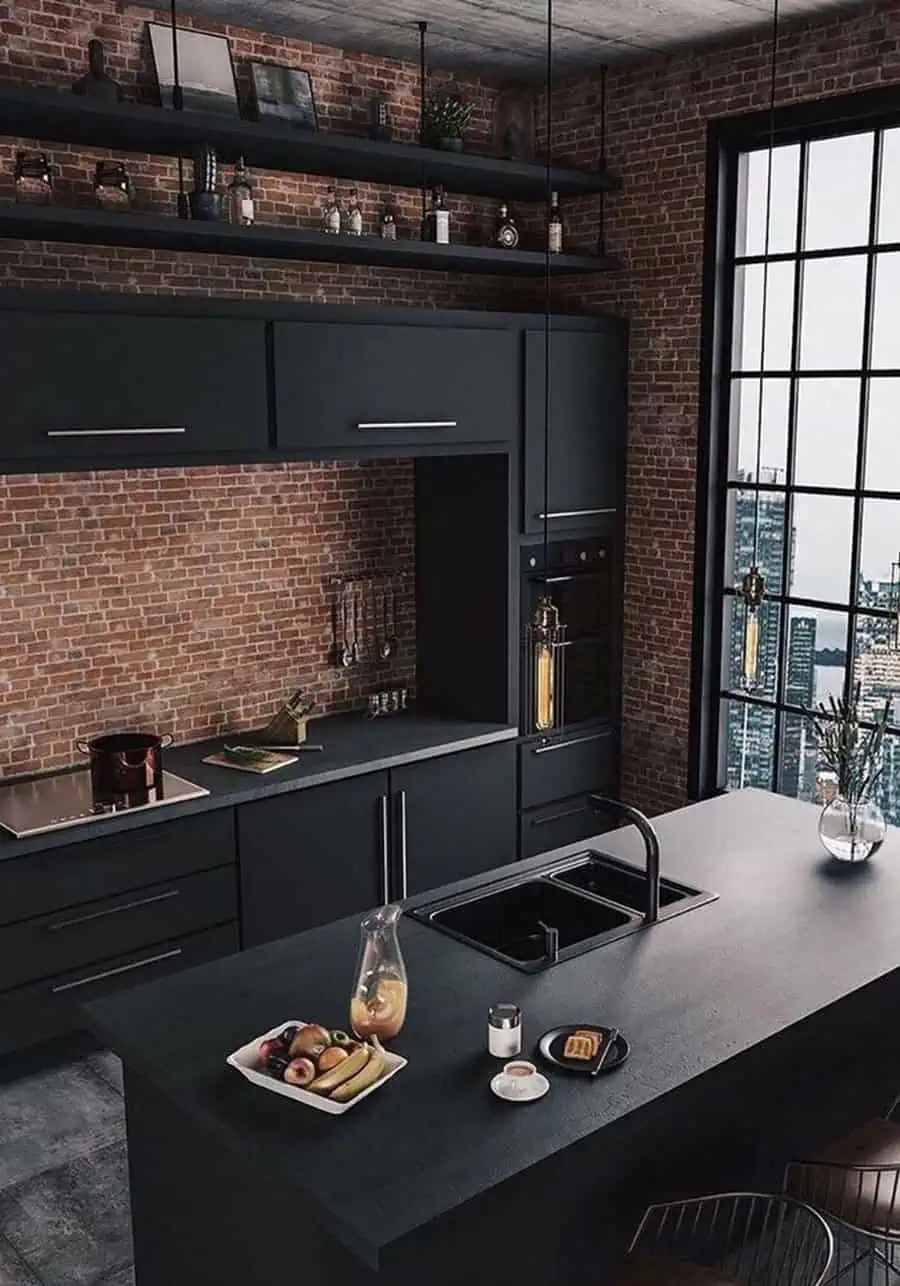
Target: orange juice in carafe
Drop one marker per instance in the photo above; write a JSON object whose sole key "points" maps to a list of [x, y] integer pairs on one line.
{"points": [[378, 1003]]}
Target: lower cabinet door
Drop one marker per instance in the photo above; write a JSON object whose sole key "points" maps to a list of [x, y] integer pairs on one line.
{"points": [[49, 1007], [455, 817], [312, 856]]}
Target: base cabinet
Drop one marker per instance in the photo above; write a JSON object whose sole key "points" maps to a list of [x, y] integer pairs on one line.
{"points": [[312, 856]]}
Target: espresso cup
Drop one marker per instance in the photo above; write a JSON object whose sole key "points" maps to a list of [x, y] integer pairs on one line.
{"points": [[518, 1077]]}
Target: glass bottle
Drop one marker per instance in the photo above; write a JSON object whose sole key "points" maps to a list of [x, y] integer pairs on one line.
{"points": [[388, 224], [378, 1002], [96, 83], [241, 210], [112, 185], [555, 226], [34, 178], [436, 224], [545, 630], [507, 234], [331, 211], [354, 215]]}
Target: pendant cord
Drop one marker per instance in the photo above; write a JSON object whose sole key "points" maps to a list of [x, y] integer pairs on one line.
{"points": [[547, 286], [765, 279], [423, 27], [177, 101], [601, 238]]}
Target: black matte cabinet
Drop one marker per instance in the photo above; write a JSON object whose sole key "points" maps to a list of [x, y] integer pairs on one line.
{"points": [[588, 404], [455, 817], [367, 386], [313, 856], [86, 385]]}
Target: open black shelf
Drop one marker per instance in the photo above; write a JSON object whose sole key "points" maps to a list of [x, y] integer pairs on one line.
{"points": [[159, 232], [53, 115]]}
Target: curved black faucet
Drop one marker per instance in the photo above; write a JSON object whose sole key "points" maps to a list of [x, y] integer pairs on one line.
{"points": [[651, 849]]}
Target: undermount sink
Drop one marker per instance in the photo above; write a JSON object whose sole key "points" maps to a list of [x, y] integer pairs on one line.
{"points": [[534, 921]]}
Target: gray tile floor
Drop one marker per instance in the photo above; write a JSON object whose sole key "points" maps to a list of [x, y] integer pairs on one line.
{"points": [[64, 1216]]}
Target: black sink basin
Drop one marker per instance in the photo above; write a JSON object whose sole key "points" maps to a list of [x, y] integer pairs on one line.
{"points": [[606, 877]]}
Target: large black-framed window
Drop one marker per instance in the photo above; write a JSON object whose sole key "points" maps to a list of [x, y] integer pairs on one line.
{"points": [[825, 499]]}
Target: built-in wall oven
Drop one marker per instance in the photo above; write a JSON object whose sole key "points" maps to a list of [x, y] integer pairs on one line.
{"points": [[578, 576]]}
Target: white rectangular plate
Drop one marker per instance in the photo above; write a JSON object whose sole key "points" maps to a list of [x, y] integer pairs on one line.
{"points": [[246, 1061]]}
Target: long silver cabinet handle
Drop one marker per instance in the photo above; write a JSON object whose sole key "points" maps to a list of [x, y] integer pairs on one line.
{"points": [[385, 851], [111, 433], [407, 424], [575, 513], [404, 881], [110, 910], [112, 973], [572, 741]]}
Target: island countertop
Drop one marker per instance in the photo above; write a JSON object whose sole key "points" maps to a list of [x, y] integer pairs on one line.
{"points": [[698, 996]]}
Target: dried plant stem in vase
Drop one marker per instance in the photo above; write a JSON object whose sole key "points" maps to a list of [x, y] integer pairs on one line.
{"points": [[851, 826]]}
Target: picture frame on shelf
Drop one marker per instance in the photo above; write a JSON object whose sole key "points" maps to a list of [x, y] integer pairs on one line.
{"points": [[205, 69], [514, 122], [283, 94]]}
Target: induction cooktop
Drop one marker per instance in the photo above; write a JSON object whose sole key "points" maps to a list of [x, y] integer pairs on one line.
{"points": [[61, 800]]}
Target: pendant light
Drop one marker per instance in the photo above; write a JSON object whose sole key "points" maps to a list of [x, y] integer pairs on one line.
{"points": [[753, 586], [545, 636], [182, 208]]}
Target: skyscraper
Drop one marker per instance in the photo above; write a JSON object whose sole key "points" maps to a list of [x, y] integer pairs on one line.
{"points": [[799, 690]]}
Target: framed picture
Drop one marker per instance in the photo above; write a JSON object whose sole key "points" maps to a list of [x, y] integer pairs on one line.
{"points": [[205, 69], [514, 122], [283, 93]]}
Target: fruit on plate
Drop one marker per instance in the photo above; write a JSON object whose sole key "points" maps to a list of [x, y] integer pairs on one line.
{"points": [[373, 1071], [344, 1071], [278, 1064], [300, 1071], [269, 1047], [341, 1038], [286, 1037], [309, 1039], [330, 1057]]}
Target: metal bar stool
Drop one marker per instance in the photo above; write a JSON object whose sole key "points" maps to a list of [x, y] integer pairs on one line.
{"points": [[729, 1239], [855, 1183]]}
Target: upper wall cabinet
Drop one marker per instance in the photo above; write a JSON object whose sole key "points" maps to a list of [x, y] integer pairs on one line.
{"points": [[588, 406], [361, 387], [101, 384]]}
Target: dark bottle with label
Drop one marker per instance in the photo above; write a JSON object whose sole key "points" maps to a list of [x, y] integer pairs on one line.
{"points": [[96, 83], [507, 234], [555, 226], [436, 224]]}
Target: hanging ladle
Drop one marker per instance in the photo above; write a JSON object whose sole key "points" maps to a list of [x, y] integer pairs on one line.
{"points": [[386, 645], [346, 653]]}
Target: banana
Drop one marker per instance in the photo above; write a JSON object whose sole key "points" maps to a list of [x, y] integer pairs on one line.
{"points": [[352, 1064], [373, 1071]]}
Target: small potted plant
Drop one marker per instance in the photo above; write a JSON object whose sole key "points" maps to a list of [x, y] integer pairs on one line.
{"points": [[851, 826], [446, 120]]}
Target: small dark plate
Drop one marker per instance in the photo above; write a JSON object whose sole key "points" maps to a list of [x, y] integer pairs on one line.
{"points": [[552, 1043]]}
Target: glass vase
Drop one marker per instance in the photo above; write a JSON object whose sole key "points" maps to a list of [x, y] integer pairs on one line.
{"points": [[378, 1003], [851, 830]]}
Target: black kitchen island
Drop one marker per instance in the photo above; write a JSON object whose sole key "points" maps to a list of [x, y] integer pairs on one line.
{"points": [[759, 1023]]}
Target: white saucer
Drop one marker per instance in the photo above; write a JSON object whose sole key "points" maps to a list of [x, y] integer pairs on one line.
{"points": [[538, 1084]]}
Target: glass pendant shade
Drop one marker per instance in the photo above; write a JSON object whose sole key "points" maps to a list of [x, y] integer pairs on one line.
{"points": [[545, 658], [753, 592]]}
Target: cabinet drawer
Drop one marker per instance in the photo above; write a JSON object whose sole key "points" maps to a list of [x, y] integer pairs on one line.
{"points": [[564, 766], [91, 385], [64, 877], [565, 821], [92, 931], [370, 386], [49, 1007]]}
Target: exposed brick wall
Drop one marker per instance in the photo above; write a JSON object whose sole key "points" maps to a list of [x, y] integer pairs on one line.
{"points": [[658, 115], [193, 600], [187, 600]]}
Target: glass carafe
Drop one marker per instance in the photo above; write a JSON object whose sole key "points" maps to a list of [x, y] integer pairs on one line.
{"points": [[378, 1003]]}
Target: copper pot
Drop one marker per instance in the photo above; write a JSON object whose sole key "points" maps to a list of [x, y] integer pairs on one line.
{"points": [[125, 764]]}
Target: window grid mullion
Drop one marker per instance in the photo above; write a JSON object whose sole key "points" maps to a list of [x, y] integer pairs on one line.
{"points": [[862, 431], [787, 546]]}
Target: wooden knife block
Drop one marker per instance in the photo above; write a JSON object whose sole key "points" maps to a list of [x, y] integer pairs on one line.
{"points": [[287, 727]]}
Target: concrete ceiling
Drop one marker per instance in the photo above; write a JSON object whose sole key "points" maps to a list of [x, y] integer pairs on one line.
{"points": [[506, 36]]}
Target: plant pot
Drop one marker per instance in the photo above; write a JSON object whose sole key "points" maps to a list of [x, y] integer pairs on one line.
{"points": [[851, 831], [449, 144]]}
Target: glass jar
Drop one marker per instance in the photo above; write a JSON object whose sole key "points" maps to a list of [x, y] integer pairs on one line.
{"points": [[378, 1003], [112, 186], [34, 178], [851, 830]]}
